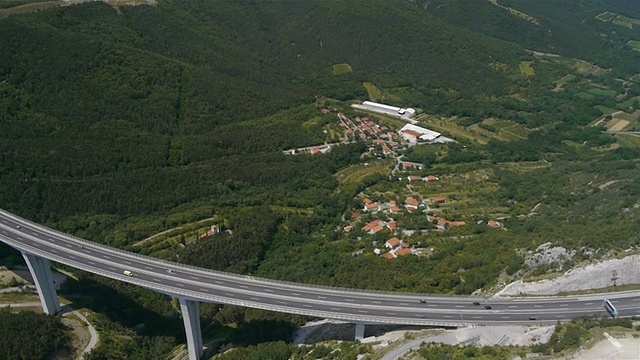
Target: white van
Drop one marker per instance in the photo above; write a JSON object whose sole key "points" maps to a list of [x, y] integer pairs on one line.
{"points": [[128, 273]]}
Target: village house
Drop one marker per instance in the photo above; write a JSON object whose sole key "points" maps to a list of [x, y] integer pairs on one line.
{"points": [[411, 204], [393, 243], [390, 256], [404, 252], [494, 224]]}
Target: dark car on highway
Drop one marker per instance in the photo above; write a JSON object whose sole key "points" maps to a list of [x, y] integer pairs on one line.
{"points": [[488, 307]]}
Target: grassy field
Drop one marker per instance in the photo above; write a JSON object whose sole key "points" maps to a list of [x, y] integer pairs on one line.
{"points": [[606, 16], [605, 110], [602, 92], [526, 69], [628, 140], [341, 69], [634, 44], [357, 173], [374, 93], [517, 13]]}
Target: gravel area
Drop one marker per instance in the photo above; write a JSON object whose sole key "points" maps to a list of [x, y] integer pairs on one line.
{"points": [[592, 276]]}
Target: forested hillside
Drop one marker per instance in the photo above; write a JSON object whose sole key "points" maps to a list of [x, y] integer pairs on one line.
{"points": [[117, 123]]}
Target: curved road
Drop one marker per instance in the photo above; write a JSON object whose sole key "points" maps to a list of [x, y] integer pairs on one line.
{"points": [[325, 302]]}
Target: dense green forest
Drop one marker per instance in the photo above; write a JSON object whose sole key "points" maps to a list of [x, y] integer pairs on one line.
{"points": [[28, 335], [117, 123]]}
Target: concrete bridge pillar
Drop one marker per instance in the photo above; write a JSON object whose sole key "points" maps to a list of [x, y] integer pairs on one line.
{"points": [[359, 332], [43, 278], [191, 317]]}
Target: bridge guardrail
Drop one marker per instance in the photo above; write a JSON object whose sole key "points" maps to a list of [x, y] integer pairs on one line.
{"points": [[237, 276]]}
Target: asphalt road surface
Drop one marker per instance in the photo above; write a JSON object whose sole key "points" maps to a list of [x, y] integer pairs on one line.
{"points": [[334, 303]]}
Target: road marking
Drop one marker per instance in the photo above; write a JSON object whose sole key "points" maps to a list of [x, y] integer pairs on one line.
{"points": [[254, 298], [71, 256], [67, 245], [513, 306], [217, 282], [92, 263], [404, 304], [306, 305], [589, 303], [36, 245], [477, 317], [505, 317], [148, 267], [194, 277], [112, 269], [282, 302], [180, 284], [321, 297], [295, 294], [126, 262], [53, 251], [363, 311], [564, 305], [389, 313], [106, 256], [638, 299], [377, 302], [268, 290], [229, 294], [537, 306], [335, 309], [203, 289], [431, 305], [560, 316], [347, 299], [242, 286], [447, 316], [157, 280]]}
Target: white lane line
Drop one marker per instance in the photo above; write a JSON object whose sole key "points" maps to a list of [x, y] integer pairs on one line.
{"points": [[180, 284], [335, 309], [363, 311], [67, 245], [564, 305], [447, 316], [126, 262], [92, 263], [203, 289], [36, 245], [638, 299], [254, 298], [268, 290], [347, 299], [217, 282], [148, 267], [243, 286], [194, 277], [106, 256], [390, 313], [54, 251], [458, 306], [71, 256], [282, 302], [505, 317], [295, 294], [560, 316], [112, 269], [156, 280], [321, 297], [588, 303], [513, 306], [306, 305], [431, 305], [229, 294], [404, 304], [477, 317], [377, 302], [537, 306]]}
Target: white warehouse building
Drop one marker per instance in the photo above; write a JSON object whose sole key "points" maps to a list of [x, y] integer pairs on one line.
{"points": [[416, 133]]}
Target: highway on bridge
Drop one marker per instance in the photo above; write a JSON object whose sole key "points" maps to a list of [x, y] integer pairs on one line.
{"points": [[325, 302]]}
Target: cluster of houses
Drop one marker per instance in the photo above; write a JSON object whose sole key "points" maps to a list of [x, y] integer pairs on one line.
{"points": [[365, 129], [396, 249]]}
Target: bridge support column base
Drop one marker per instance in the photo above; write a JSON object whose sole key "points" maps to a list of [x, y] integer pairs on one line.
{"points": [[359, 332], [43, 279], [191, 317]]}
